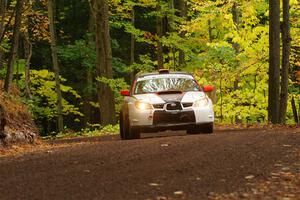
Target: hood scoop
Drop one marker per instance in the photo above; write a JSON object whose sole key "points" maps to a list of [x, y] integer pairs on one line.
{"points": [[169, 92], [171, 95]]}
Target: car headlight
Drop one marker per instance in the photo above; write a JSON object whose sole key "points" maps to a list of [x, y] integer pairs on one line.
{"points": [[200, 102], [142, 105]]}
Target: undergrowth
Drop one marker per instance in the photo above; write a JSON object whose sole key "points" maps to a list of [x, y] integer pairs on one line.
{"points": [[91, 131]]}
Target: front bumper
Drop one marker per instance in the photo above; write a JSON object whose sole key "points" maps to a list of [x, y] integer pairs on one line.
{"points": [[161, 119]]}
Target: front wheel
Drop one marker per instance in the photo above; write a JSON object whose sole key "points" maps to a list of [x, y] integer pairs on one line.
{"points": [[121, 126], [126, 131], [208, 128]]}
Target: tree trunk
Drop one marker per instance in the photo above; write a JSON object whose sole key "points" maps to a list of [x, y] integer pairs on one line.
{"points": [[274, 61], [87, 109], [2, 123], [3, 5], [5, 27], [286, 49], [28, 55], [236, 20], [294, 109], [170, 16], [210, 37], [88, 96], [170, 28], [1, 58], [132, 45], [15, 46], [159, 32], [298, 112], [104, 62], [183, 14], [51, 15], [221, 97]]}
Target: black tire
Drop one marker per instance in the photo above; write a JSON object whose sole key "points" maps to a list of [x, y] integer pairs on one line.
{"points": [[194, 130], [126, 131], [135, 134], [121, 126], [208, 128]]}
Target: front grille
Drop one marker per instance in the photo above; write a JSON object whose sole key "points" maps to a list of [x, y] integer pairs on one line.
{"points": [[187, 105], [174, 106], [162, 117]]}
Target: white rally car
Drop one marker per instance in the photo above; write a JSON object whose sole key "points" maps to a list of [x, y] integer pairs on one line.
{"points": [[165, 101]]}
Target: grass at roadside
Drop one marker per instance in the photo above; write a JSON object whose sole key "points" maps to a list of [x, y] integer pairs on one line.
{"points": [[93, 131]]}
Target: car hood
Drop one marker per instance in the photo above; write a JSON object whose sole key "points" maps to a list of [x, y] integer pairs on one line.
{"points": [[164, 98]]}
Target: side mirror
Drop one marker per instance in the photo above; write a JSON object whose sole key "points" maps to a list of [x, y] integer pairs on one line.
{"points": [[125, 93], [208, 88]]}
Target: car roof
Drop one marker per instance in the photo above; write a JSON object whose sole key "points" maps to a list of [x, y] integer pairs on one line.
{"points": [[163, 74]]}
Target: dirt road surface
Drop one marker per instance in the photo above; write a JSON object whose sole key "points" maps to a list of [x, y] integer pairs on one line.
{"points": [[163, 166]]}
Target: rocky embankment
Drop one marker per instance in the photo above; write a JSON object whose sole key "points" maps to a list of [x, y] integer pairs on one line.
{"points": [[16, 123]]}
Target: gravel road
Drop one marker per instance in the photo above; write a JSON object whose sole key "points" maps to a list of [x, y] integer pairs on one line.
{"points": [[163, 166]]}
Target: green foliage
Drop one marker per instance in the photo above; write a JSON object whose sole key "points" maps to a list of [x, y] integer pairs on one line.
{"points": [[98, 130], [19, 68], [91, 131], [5, 46], [116, 85], [145, 64], [43, 104], [233, 57], [110, 129], [81, 52]]}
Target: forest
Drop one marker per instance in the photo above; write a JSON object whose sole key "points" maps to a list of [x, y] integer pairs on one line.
{"points": [[70, 58]]}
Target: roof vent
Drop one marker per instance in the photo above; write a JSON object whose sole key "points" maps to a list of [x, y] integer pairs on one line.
{"points": [[163, 71]]}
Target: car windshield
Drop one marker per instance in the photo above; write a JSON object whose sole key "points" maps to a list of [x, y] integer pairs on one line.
{"points": [[160, 84]]}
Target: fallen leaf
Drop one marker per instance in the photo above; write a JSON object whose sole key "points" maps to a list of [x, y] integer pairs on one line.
{"points": [[287, 145], [178, 192], [154, 184], [275, 174], [244, 195], [249, 177], [285, 168]]}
